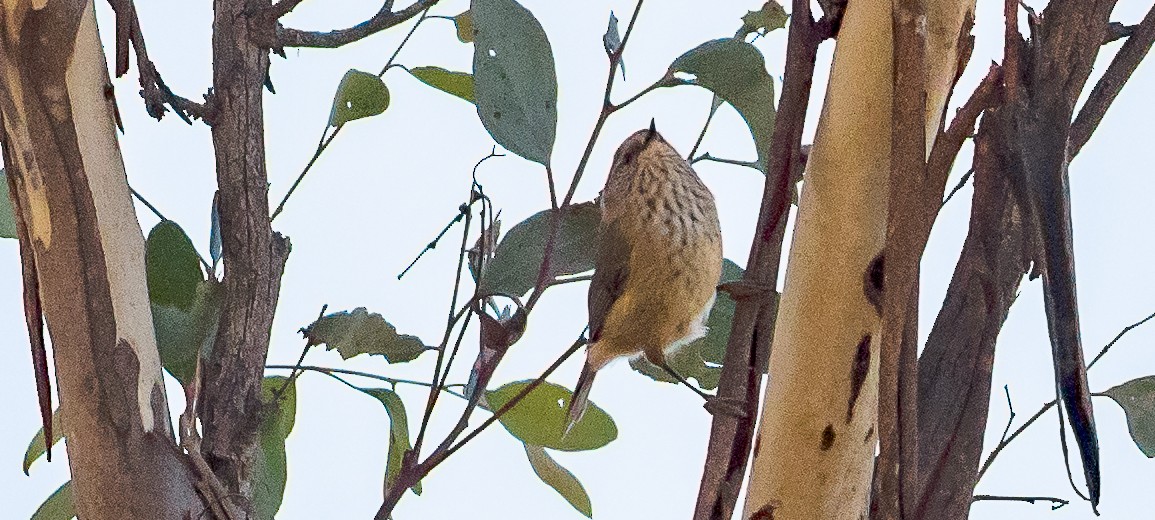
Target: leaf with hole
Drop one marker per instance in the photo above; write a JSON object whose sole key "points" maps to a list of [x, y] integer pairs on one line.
{"points": [[270, 466], [58, 505], [735, 71], [36, 448], [540, 418], [514, 78], [359, 332], [359, 95], [517, 261], [172, 269], [1137, 399], [560, 479], [459, 84], [398, 434]]}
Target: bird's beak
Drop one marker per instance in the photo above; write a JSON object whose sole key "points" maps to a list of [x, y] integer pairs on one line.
{"points": [[653, 132]]}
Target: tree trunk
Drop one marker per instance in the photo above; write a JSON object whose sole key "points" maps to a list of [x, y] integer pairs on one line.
{"points": [[79, 233]]}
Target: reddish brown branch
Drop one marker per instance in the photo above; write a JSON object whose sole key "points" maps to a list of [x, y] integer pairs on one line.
{"points": [[731, 436], [1107, 89]]}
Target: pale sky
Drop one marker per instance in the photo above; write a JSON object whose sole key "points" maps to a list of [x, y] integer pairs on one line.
{"points": [[388, 184]]}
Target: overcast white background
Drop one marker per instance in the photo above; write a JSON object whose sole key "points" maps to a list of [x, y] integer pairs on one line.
{"points": [[388, 184]]}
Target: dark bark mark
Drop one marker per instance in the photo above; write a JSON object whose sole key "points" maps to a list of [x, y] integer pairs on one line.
{"points": [[827, 437], [858, 374], [766, 513], [872, 284]]}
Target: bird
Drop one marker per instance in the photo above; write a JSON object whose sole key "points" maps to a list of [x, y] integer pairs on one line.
{"points": [[657, 264]]}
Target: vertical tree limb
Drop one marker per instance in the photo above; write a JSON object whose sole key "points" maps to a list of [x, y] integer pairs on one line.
{"points": [[83, 239], [254, 256]]}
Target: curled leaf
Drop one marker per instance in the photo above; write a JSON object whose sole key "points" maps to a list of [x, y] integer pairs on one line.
{"points": [[560, 479], [359, 332], [459, 84]]}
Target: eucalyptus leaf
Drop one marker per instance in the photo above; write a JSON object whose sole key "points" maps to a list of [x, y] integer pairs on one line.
{"points": [[735, 71], [459, 84], [769, 18], [464, 23], [182, 335], [514, 78], [359, 332], [540, 418], [215, 245], [172, 269], [270, 466], [36, 448], [560, 479], [359, 95], [1137, 399], [517, 261], [612, 40], [58, 505], [399, 442]]}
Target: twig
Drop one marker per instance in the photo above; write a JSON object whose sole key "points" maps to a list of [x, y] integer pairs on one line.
{"points": [[707, 157], [1031, 500], [714, 104], [321, 146], [147, 204], [297, 366], [1120, 70], [153, 89], [324, 143], [607, 107], [384, 19], [961, 182], [1011, 419], [391, 380], [461, 211], [409, 475], [1047, 406]]}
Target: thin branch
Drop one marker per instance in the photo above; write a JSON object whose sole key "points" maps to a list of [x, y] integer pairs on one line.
{"points": [[147, 204], [707, 157], [300, 360], [1007, 440], [461, 211], [1058, 502], [283, 7], [714, 104], [1120, 70], [153, 89], [1011, 419], [961, 182], [391, 380], [1067, 463], [607, 107], [321, 146], [384, 19]]}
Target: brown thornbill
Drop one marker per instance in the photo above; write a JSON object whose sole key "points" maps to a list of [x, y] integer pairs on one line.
{"points": [[658, 260]]}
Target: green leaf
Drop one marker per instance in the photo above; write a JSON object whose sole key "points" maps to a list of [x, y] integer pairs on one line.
{"points": [[560, 479], [183, 334], [359, 95], [58, 506], [359, 332], [171, 266], [459, 84], [270, 467], [516, 262], [1137, 399], [540, 418], [514, 78], [7, 216], [36, 448], [702, 359], [464, 23], [770, 17], [398, 433], [735, 71]]}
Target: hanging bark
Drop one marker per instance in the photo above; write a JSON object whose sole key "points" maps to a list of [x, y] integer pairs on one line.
{"points": [[82, 244]]}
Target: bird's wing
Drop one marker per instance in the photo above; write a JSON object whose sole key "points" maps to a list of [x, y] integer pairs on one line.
{"points": [[611, 266]]}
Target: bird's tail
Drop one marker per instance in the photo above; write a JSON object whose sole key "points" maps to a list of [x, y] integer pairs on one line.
{"points": [[581, 397]]}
